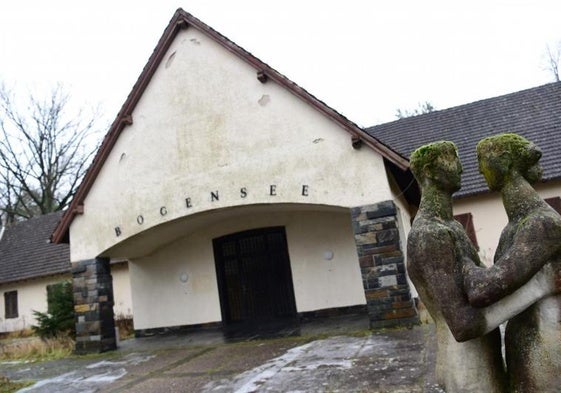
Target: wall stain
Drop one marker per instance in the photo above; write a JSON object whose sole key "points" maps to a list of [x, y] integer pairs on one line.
{"points": [[264, 100]]}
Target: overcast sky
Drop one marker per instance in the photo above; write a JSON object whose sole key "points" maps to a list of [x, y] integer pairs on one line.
{"points": [[363, 58]]}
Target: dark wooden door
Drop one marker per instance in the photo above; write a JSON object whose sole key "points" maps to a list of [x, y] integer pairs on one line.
{"points": [[254, 277]]}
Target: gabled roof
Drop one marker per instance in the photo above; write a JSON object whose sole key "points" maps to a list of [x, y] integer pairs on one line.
{"points": [[184, 20], [26, 250], [533, 113]]}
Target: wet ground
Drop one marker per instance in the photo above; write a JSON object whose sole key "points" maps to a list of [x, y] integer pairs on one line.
{"points": [[335, 355]]}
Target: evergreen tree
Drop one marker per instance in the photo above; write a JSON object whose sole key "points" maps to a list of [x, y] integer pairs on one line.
{"points": [[59, 317]]}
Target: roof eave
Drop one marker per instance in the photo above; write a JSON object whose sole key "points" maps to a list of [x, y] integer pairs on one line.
{"points": [[30, 277]]}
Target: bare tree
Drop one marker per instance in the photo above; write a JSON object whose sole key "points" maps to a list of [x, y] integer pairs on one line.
{"points": [[552, 60], [425, 107], [45, 151]]}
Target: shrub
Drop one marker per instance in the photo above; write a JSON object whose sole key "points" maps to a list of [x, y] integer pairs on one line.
{"points": [[59, 318]]}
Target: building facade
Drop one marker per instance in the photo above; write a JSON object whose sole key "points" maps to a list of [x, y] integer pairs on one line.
{"points": [[238, 199]]}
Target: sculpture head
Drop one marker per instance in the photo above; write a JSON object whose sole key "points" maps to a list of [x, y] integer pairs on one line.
{"points": [[437, 164], [501, 156]]}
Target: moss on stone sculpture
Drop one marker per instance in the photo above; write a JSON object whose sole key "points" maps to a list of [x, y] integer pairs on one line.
{"points": [[509, 151], [425, 156]]}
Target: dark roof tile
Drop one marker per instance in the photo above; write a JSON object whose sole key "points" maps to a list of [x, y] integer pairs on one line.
{"points": [[26, 251], [533, 113]]}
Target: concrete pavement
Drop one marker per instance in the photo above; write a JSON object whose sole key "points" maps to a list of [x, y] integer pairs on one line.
{"points": [[332, 355]]}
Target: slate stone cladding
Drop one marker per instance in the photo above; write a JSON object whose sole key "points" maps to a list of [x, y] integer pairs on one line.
{"points": [[93, 306], [388, 296]]}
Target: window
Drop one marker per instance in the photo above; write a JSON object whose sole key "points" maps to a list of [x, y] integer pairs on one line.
{"points": [[11, 304], [555, 203], [466, 220]]}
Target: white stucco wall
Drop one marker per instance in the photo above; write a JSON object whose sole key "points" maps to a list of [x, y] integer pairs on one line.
{"points": [[489, 217], [121, 290], [32, 295], [204, 125], [161, 299]]}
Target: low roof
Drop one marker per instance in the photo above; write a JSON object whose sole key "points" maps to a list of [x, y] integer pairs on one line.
{"points": [[26, 250], [533, 113], [183, 20]]}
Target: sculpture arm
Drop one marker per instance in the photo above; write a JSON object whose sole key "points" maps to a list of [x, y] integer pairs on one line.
{"points": [[435, 270], [538, 287], [536, 241]]}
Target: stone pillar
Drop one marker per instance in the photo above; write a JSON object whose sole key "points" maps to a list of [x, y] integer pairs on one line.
{"points": [[388, 296], [93, 306]]}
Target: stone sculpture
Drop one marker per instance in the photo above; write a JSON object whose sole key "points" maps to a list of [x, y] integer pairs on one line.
{"points": [[469, 346], [532, 236]]}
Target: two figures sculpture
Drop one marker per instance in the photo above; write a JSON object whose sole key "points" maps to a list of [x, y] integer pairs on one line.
{"points": [[469, 301]]}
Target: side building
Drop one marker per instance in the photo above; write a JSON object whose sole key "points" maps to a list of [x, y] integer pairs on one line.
{"points": [[533, 113], [30, 263]]}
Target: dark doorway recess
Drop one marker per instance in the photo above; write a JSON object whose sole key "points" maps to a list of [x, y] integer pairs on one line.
{"points": [[255, 282]]}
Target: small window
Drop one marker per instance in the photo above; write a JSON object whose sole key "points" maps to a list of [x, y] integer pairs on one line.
{"points": [[466, 220], [11, 304], [555, 203]]}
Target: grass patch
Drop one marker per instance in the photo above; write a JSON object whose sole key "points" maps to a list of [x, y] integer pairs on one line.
{"points": [[7, 386], [35, 349], [17, 334]]}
